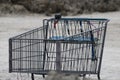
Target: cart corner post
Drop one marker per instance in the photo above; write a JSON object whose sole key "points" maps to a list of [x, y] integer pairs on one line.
{"points": [[101, 55], [10, 55]]}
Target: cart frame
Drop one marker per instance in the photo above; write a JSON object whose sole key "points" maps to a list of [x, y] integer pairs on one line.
{"points": [[36, 41]]}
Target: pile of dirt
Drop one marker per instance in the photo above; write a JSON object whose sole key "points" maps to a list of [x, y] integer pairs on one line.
{"points": [[64, 7], [6, 8]]}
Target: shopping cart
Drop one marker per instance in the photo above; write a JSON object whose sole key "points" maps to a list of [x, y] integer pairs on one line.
{"points": [[66, 45]]}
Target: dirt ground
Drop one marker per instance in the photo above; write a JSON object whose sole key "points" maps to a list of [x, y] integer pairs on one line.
{"points": [[14, 25]]}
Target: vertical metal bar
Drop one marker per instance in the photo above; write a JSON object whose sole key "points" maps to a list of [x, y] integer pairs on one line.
{"points": [[98, 44], [20, 65], [45, 25], [45, 36], [58, 56], [10, 55], [101, 54]]}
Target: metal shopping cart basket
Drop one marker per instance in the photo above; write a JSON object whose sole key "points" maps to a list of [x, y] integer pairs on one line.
{"points": [[67, 45]]}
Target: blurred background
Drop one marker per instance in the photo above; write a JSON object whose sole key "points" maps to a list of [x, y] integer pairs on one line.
{"points": [[65, 7]]}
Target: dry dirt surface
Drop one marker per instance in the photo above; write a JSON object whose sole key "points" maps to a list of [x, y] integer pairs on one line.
{"points": [[14, 25]]}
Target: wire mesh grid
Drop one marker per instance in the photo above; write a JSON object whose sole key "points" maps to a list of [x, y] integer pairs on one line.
{"points": [[71, 45]]}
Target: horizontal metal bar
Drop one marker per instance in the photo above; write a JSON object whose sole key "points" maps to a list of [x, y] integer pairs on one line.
{"points": [[30, 41], [26, 57], [46, 72], [82, 19]]}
